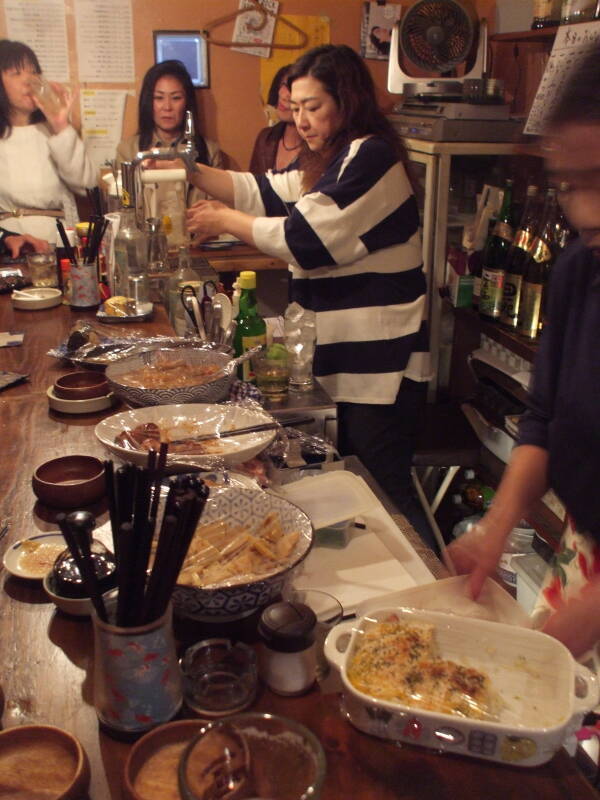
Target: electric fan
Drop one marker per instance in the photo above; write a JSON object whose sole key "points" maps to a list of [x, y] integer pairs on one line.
{"points": [[437, 36]]}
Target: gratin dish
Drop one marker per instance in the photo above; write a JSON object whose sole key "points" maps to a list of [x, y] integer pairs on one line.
{"points": [[533, 675], [235, 598], [207, 389]]}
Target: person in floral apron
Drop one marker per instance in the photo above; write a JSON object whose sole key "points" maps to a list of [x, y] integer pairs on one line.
{"points": [[559, 436]]}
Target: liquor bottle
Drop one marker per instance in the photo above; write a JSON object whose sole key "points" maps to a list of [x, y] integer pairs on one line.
{"points": [[564, 232], [539, 259], [183, 275], [251, 328], [546, 13], [516, 259], [496, 249], [131, 248], [573, 11]]}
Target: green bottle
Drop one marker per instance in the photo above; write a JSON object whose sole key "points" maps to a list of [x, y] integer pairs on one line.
{"points": [[496, 250], [251, 328]]}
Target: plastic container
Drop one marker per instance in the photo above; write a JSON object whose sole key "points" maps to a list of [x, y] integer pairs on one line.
{"points": [[520, 541], [530, 570]]}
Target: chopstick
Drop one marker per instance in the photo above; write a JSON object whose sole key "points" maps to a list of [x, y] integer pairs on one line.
{"points": [[66, 244], [265, 426]]}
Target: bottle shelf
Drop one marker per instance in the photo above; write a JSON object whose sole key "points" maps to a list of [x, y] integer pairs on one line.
{"points": [[512, 341]]}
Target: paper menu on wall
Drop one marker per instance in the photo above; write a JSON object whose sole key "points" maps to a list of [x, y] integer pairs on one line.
{"points": [[41, 25], [571, 45], [248, 28], [102, 122], [105, 48]]}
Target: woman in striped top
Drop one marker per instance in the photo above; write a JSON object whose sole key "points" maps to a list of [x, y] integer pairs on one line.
{"points": [[344, 216]]}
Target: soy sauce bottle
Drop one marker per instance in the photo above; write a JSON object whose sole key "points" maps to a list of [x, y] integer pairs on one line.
{"points": [[65, 572]]}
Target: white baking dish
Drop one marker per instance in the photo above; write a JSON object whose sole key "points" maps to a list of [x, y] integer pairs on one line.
{"points": [[535, 676]]}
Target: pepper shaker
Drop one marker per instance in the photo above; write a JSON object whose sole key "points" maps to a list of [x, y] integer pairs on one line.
{"points": [[288, 655]]}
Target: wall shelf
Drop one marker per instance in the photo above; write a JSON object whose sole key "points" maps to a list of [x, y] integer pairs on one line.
{"points": [[517, 344], [544, 34]]}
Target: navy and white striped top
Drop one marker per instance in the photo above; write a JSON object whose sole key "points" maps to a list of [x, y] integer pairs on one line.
{"points": [[354, 251]]}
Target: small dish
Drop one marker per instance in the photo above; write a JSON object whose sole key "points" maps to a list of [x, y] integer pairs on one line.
{"points": [[35, 756], [33, 558], [36, 299], [75, 606], [152, 764], [69, 481], [81, 385], [146, 310], [88, 406]]}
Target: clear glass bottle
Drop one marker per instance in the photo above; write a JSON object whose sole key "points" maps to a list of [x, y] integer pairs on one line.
{"points": [[574, 11], [184, 274], [131, 248], [251, 328]]}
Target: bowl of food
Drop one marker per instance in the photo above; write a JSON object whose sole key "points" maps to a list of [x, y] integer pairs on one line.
{"points": [[81, 385], [458, 684], [41, 760], [166, 376], [69, 481], [242, 555], [131, 434]]}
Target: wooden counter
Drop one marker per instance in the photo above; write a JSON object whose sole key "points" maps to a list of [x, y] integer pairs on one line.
{"points": [[239, 257], [46, 659]]}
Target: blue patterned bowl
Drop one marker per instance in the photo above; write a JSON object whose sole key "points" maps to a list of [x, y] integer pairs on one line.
{"points": [[245, 508], [212, 390]]}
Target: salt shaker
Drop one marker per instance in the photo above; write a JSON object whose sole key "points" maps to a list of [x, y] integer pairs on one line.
{"points": [[288, 657]]}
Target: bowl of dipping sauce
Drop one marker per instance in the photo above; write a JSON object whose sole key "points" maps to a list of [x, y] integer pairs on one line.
{"points": [[69, 481], [81, 385]]}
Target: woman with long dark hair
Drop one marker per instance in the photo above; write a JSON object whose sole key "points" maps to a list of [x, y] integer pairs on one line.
{"points": [[277, 146], [345, 218], [167, 93], [43, 160]]}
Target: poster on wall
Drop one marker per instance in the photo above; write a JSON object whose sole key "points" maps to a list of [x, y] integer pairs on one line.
{"points": [[248, 28], [105, 48], [41, 25], [377, 22], [102, 113]]}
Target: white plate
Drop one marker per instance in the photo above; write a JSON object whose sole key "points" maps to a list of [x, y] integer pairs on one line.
{"points": [[36, 299], [12, 556], [187, 419], [87, 406], [146, 310]]}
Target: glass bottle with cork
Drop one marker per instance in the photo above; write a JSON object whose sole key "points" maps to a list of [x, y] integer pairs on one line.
{"points": [[251, 328], [496, 250], [516, 259], [539, 260]]}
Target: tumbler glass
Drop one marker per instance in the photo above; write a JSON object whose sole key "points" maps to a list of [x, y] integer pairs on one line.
{"points": [[42, 268]]}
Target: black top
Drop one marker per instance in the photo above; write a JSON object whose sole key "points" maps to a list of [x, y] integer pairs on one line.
{"points": [[564, 413]]}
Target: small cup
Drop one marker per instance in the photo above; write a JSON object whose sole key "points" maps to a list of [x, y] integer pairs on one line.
{"points": [[219, 677], [42, 269], [328, 611], [272, 373]]}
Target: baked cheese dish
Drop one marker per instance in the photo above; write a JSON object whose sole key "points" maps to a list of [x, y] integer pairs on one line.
{"points": [[398, 662]]}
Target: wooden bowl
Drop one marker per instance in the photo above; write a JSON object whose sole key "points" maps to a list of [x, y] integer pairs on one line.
{"points": [[69, 481], [158, 770], [81, 385], [34, 756]]}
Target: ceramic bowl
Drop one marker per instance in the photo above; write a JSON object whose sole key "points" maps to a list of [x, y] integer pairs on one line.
{"points": [[212, 389], [36, 298], [69, 481], [234, 599], [90, 406], [81, 385], [151, 768], [34, 756], [75, 606]]}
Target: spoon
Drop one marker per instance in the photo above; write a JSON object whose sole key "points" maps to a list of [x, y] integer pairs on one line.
{"points": [[227, 308]]}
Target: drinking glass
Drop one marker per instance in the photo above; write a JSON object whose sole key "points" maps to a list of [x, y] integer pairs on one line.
{"points": [[300, 336], [46, 95], [272, 373], [328, 611], [42, 268]]}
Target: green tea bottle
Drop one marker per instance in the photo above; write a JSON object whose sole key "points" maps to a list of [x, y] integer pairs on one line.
{"points": [[251, 328]]}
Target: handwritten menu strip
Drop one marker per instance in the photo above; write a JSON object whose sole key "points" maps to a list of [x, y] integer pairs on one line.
{"points": [[104, 31], [102, 122], [41, 25], [570, 47]]}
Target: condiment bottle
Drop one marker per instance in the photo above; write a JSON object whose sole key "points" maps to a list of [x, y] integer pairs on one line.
{"points": [[65, 277], [251, 328], [288, 658], [65, 572]]}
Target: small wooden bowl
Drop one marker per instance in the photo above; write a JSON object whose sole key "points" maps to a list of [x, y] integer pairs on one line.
{"points": [[69, 481], [32, 756], [180, 734], [81, 385]]}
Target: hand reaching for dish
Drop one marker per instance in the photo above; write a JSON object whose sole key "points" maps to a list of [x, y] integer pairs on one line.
{"points": [[17, 243], [207, 218], [476, 553]]}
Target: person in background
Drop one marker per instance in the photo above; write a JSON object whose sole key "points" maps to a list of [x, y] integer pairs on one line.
{"points": [[279, 145], [559, 436], [12, 244], [43, 160], [167, 93], [345, 217]]}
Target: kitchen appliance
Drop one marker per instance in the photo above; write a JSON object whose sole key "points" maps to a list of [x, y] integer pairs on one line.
{"points": [[439, 36]]}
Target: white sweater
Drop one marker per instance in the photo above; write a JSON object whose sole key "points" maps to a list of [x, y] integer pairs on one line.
{"points": [[39, 169]]}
